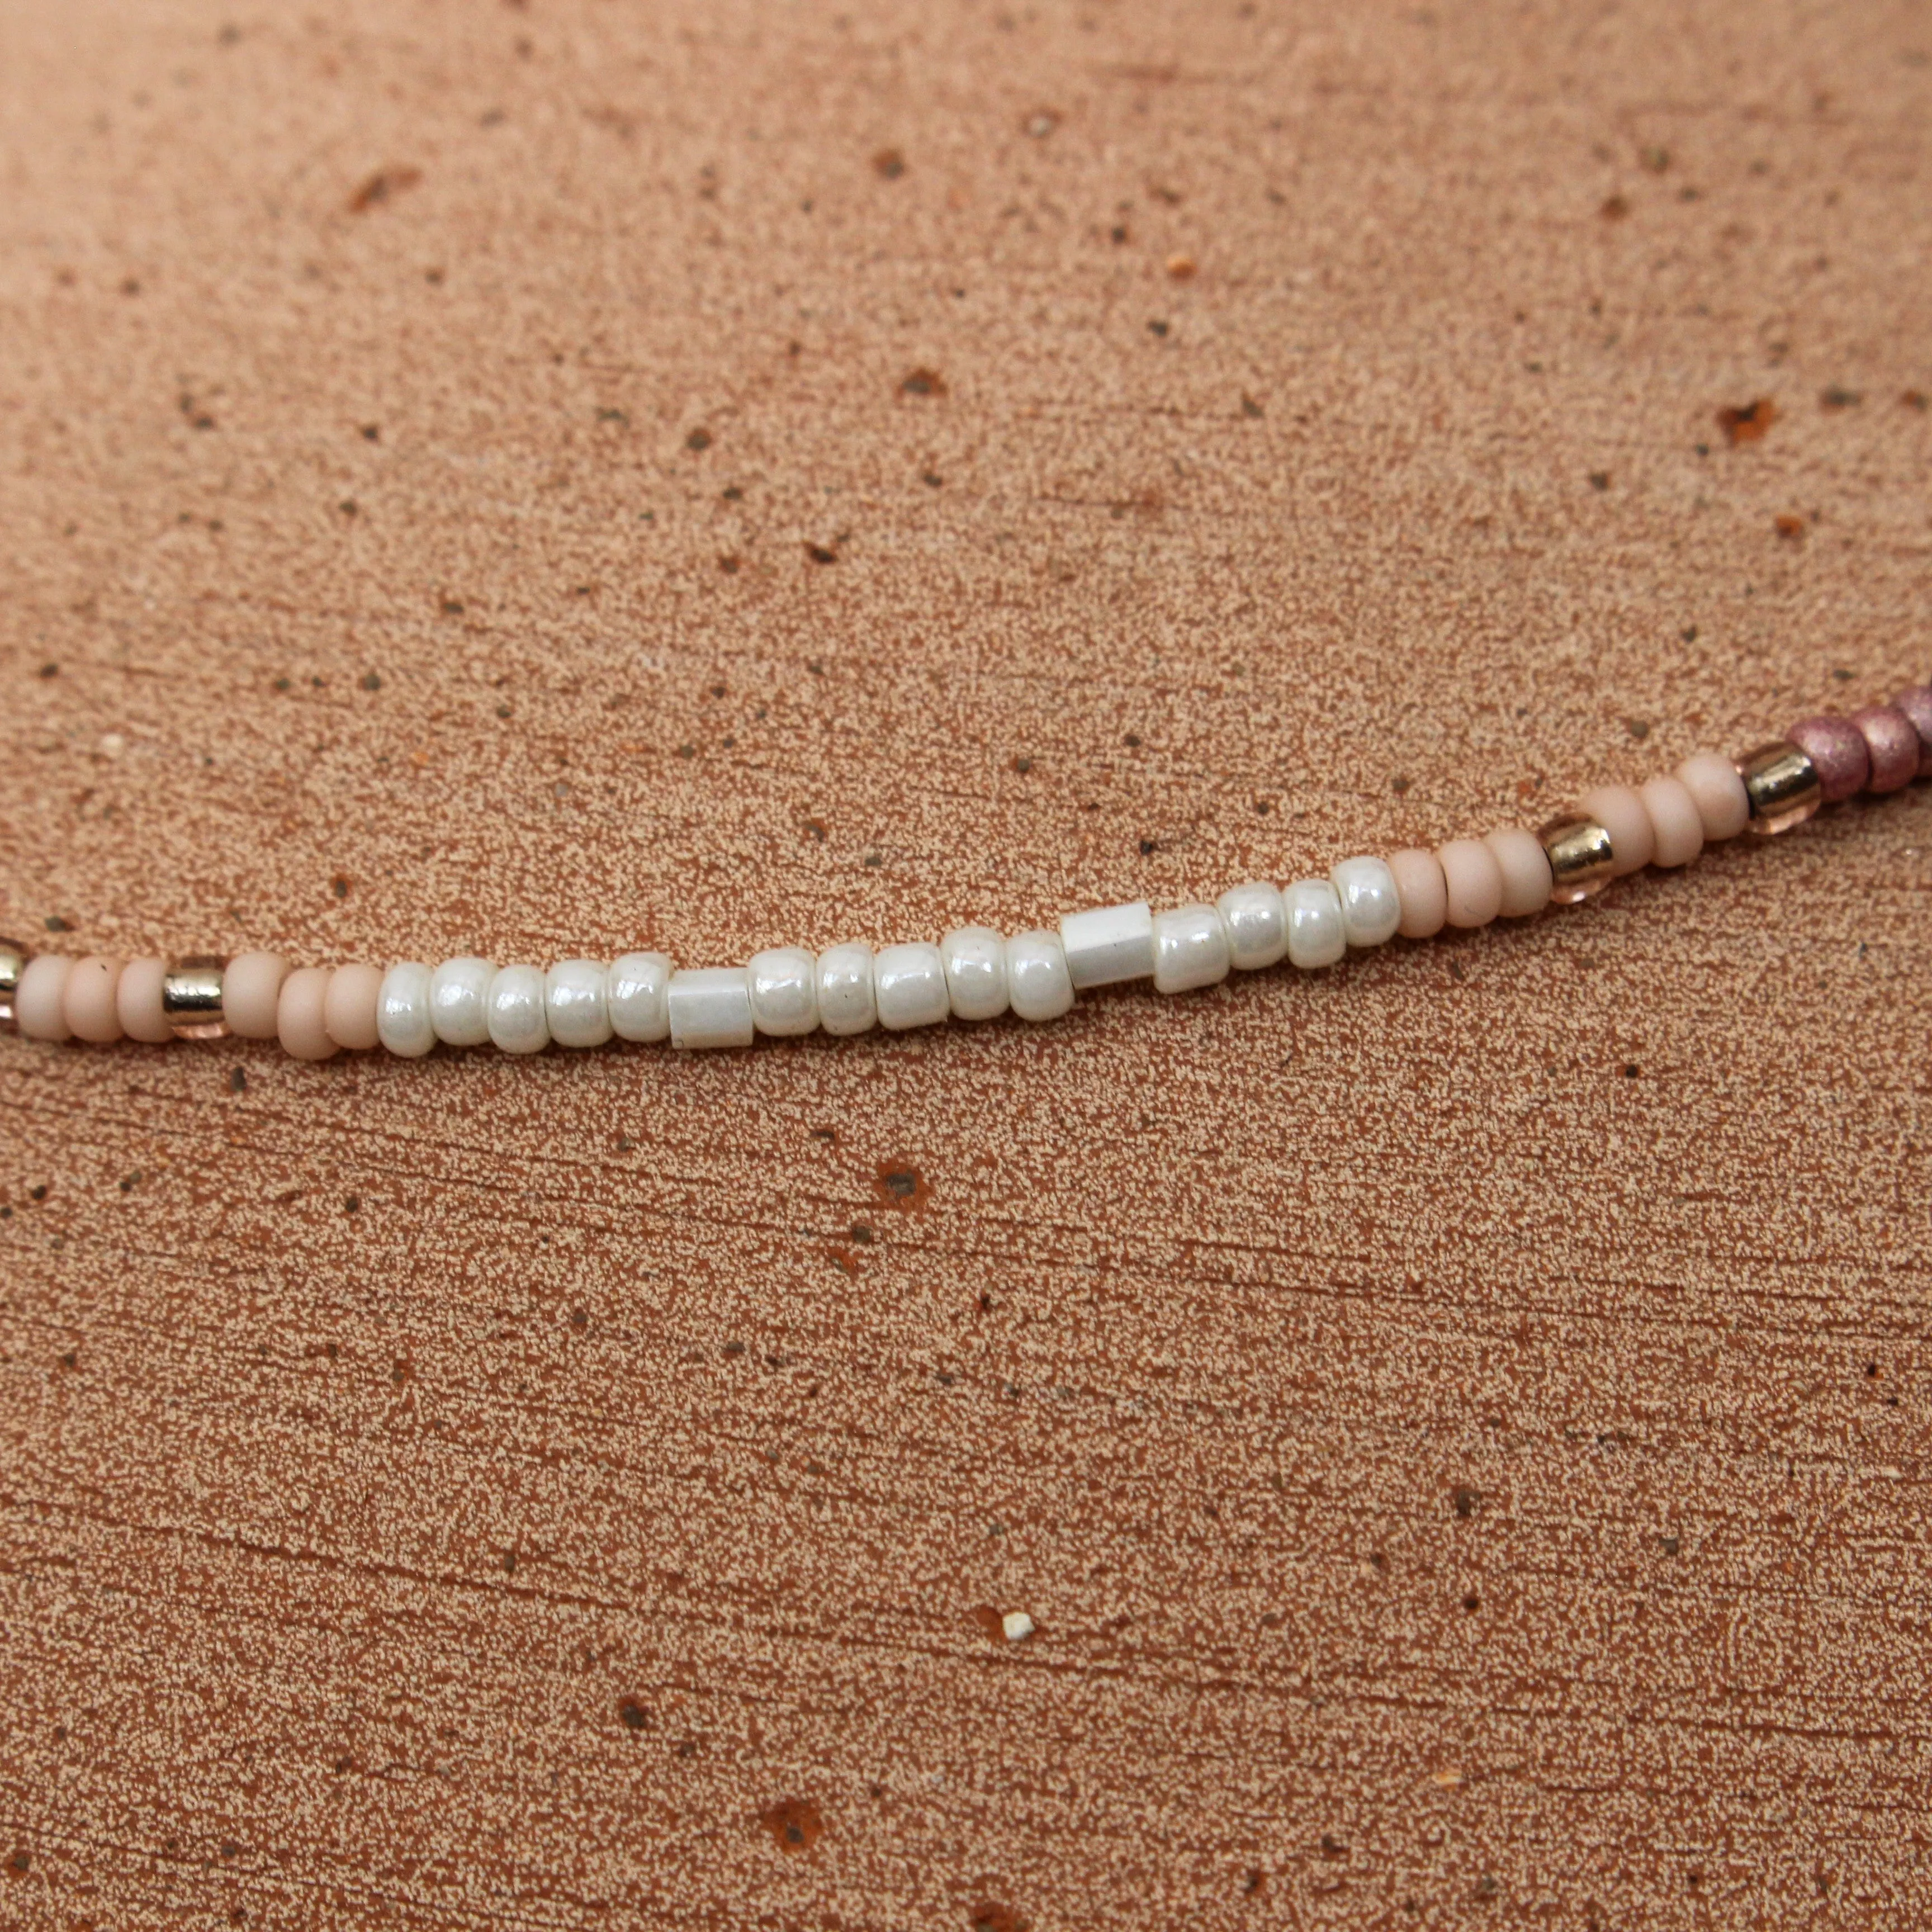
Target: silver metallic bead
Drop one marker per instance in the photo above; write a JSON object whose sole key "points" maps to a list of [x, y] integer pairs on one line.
{"points": [[191, 998], [13, 957], [1782, 785], [1580, 857]]}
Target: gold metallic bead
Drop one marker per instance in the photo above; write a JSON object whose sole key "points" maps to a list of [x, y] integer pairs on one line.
{"points": [[13, 957], [1782, 785], [1580, 857], [191, 998]]}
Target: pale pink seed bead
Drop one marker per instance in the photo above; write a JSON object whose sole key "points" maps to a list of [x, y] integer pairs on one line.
{"points": [[1916, 704], [299, 1021], [137, 1002], [89, 1001], [1525, 867], [1676, 826], [1723, 803], [1419, 892], [1618, 810], [250, 986], [1473, 880], [1892, 739], [39, 1000], [348, 1011]]}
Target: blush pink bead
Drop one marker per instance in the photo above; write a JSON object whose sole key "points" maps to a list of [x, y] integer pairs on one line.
{"points": [[1419, 892], [1619, 811], [92, 1014], [348, 1009], [1916, 704], [1837, 748], [299, 1024], [1723, 803], [137, 1002], [1892, 740], [39, 1000], [1525, 867], [1474, 881], [251, 985], [1676, 826]]}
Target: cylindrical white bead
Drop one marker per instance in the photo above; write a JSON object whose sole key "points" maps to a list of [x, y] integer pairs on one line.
{"points": [[634, 996], [1315, 936], [1371, 906], [515, 1010], [846, 1002], [1256, 924], [574, 1006], [975, 972], [710, 1007], [1190, 949], [784, 991], [1109, 944], [404, 1021], [459, 1001], [909, 983], [1037, 981]]}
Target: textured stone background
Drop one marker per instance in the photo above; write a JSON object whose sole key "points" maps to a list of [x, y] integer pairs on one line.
{"points": [[554, 478]]}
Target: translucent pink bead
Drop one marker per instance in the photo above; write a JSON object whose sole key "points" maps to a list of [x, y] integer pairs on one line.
{"points": [[1419, 892], [299, 1014], [1525, 867], [1618, 810], [39, 1001], [1723, 803], [1837, 749], [1676, 826], [349, 1007], [1474, 881], [137, 1002], [91, 1013], [1916, 704], [250, 986], [1892, 740]]}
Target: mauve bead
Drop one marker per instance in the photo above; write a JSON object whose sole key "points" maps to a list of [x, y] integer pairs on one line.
{"points": [[1893, 741], [1836, 749], [1916, 704]]}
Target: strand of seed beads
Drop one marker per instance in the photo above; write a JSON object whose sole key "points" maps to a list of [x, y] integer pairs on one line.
{"points": [[973, 973]]}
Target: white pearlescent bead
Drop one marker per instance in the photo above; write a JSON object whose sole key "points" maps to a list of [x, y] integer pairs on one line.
{"points": [[459, 1001], [1109, 944], [847, 1003], [1190, 949], [975, 972], [909, 982], [634, 996], [1315, 936], [1371, 906], [784, 991], [517, 1021], [574, 1002], [404, 1021], [710, 1007], [1037, 981], [1256, 923]]}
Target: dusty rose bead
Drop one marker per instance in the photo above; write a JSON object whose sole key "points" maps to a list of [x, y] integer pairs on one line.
{"points": [[1837, 750], [1677, 827], [251, 987], [1420, 891], [1892, 740], [1723, 803], [1525, 867], [92, 1014], [1474, 880], [299, 1024], [1916, 704], [1619, 811], [349, 1007], [40, 1005], [137, 1002]]}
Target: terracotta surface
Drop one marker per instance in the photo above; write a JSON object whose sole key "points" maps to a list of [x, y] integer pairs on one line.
{"points": [[568, 477]]}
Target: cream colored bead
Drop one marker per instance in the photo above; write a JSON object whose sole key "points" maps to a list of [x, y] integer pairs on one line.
{"points": [[299, 1023], [1525, 867], [1256, 924], [1315, 936], [635, 990], [459, 1001], [1472, 881], [1037, 980], [847, 1003], [710, 1007], [574, 1010], [1190, 949], [348, 1010], [784, 991], [909, 983], [1723, 803], [975, 972], [1676, 825], [137, 1002], [251, 986], [1618, 810], [89, 1002], [519, 1022], [403, 1022], [1423, 892], [1109, 944], [40, 1006], [1371, 906]]}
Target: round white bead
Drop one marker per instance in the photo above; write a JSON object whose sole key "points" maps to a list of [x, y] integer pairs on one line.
{"points": [[1109, 944], [459, 1001], [402, 1020], [975, 972], [1037, 980], [1371, 907], [710, 1007], [575, 1003], [1315, 934], [909, 982], [1190, 949], [1256, 923], [784, 991], [517, 1024], [847, 1003], [634, 996]]}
